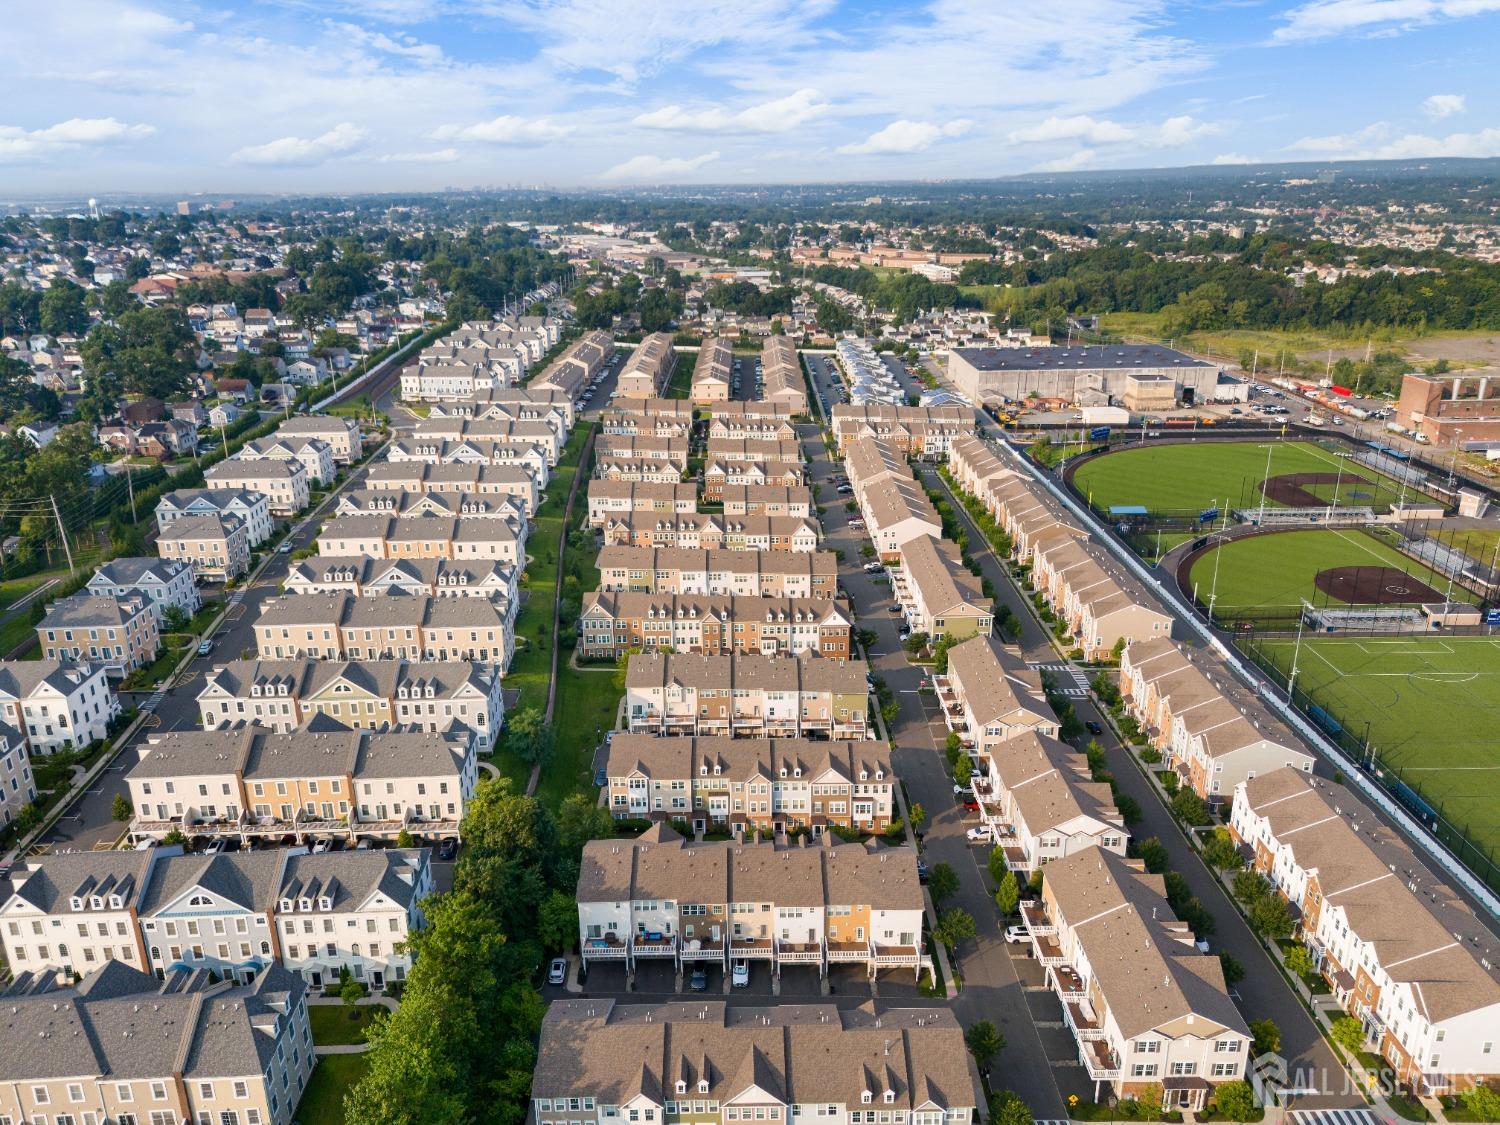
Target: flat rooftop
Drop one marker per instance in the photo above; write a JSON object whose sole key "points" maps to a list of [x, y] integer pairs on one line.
{"points": [[1093, 357]]}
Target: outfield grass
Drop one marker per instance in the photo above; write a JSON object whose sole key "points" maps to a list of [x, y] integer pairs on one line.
{"points": [[1189, 476], [1433, 708], [1272, 573], [323, 1100]]}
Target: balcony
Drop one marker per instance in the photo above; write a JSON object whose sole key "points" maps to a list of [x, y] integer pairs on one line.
{"points": [[651, 943], [1067, 983], [701, 949], [1079, 1015], [848, 952], [1048, 951], [1102, 1064], [903, 956], [799, 952], [607, 948], [1034, 914], [759, 949]]}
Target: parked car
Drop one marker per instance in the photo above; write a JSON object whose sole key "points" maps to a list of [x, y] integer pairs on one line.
{"points": [[205, 648], [980, 834], [740, 974], [1093, 727], [698, 982], [601, 778], [874, 568], [284, 549], [922, 873], [1017, 935], [970, 805], [557, 972], [448, 850]]}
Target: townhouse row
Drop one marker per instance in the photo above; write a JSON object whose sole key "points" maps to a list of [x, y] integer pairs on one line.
{"points": [[530, 457], [122, 1046], [706, 1061], [609, 499], [119, 634], [1149, 1010], [782, 380], [235, 914], [546, 433], [254, 508], [661, 896], [648, 369], [580, 363], [1077, 578], [719, 474], [649, 417], [437, 578], [1211, 744], [514, 481], [913, 431], [345, 626], [517, 403], [711, 531], [713, 372], [937, 594], [1400, 951], [498, 537], [751, 784], [323, 781], [283, 695], [405, 502], [744, 573], [643, 447], [894, 506], [747, 695], [614, 623]]}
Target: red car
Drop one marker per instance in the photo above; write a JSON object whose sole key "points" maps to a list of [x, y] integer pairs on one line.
{"points": [[971, 805]]}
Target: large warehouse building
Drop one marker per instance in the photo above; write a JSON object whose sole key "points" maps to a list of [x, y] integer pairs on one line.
{"points": [[1136, 376]]}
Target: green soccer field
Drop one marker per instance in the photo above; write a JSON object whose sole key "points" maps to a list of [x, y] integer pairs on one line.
{"points": [[1433, 708], [1189, 476], [1271, 574]]}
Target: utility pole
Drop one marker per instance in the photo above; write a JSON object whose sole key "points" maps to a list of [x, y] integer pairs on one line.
{"points": [[130, 487], [61, 530]]}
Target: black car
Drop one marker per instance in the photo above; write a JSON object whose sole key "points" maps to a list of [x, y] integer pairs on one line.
{"points": [[601, 778], [447, 850], [922, 872], [698, 982], [1094, 728]]}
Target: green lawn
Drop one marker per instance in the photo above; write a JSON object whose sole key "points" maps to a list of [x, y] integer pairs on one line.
{"points": [[681, 381], [332, 1024], [1272, 573], [323, 1100], [1433, 708], [1192, 476], [587, 701]]}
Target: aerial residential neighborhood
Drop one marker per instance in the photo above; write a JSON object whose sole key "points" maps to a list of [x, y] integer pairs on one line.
{"points": [[580, 563]]}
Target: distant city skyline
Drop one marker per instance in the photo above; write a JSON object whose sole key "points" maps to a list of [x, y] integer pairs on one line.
{"points": [[399, 95]]}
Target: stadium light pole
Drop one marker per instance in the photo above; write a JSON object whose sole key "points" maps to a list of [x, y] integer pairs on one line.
{"points": [[1333, 501], [1261, 519], [1291, 679]]}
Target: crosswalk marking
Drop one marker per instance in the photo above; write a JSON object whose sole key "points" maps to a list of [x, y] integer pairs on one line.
{"points": [[1333, 1117], [1065, 672]]}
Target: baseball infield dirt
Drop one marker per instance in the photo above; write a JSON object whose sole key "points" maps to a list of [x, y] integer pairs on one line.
{"points": [[1374, 585]]}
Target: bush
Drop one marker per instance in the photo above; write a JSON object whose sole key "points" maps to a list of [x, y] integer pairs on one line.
{"points": [[1191, 809], [1235, 1101], [1221, 852]]}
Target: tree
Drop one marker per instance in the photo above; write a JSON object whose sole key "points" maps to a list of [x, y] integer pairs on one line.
{"points": [[120, 808], [1250, 887], [1299, 961], [174, 836], [351, 992], [1128, 807], [64, 309], [954, 926], [917, 815], [1153, 853], [984, 1041], [1007, 1108], [963, 769], [1271, 918], [996, 864], [557, 923], [942, 881], [1482, 1102], [580, 819], [405, 839], [1235, 1100], [1267, 1037], [1348, 1033], [174, 620], [1008, 895], [529, 737], [1220, 851], [1191, 809], [1234, 972]]}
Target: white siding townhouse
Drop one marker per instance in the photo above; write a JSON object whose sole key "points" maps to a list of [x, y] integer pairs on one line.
{"points": [[252, 507], [162, 582], [56, 705]]}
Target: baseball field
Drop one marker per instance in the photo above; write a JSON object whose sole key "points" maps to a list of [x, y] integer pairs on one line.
{"points": [[1193, 476], [1270, 574], [1433, 708]]}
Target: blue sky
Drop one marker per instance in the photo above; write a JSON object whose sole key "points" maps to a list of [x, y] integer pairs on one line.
{"points": [[376, 95]]}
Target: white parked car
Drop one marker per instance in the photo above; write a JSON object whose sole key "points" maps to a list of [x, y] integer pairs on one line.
{"points": [[980, 834], [1017, 935], [740, 974]]}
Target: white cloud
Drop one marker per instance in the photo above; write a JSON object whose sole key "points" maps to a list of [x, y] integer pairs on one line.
{"points": [[1080, 127], [23, 144], [1080, 158], [1175, 132], [1381, 141], [777, 116], [656, 169], [506, 129], [341, 140], [1444, 105], [439, 156], [1321, 19], [1231, 158], [907, 136]]}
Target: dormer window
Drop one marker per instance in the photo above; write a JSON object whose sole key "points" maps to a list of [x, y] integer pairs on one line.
{"points": [[866, 1097], [703, 1085], [890, 1096], [75, 903], [304, 904], [681, 1086], [116, 902], [286, 905], [96, 902], [325, 903]]}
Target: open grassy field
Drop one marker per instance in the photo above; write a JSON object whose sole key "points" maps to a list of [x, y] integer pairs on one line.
{"points": [[1433, 708], [1191, 476], [323, 1100], [1271, 574]]}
